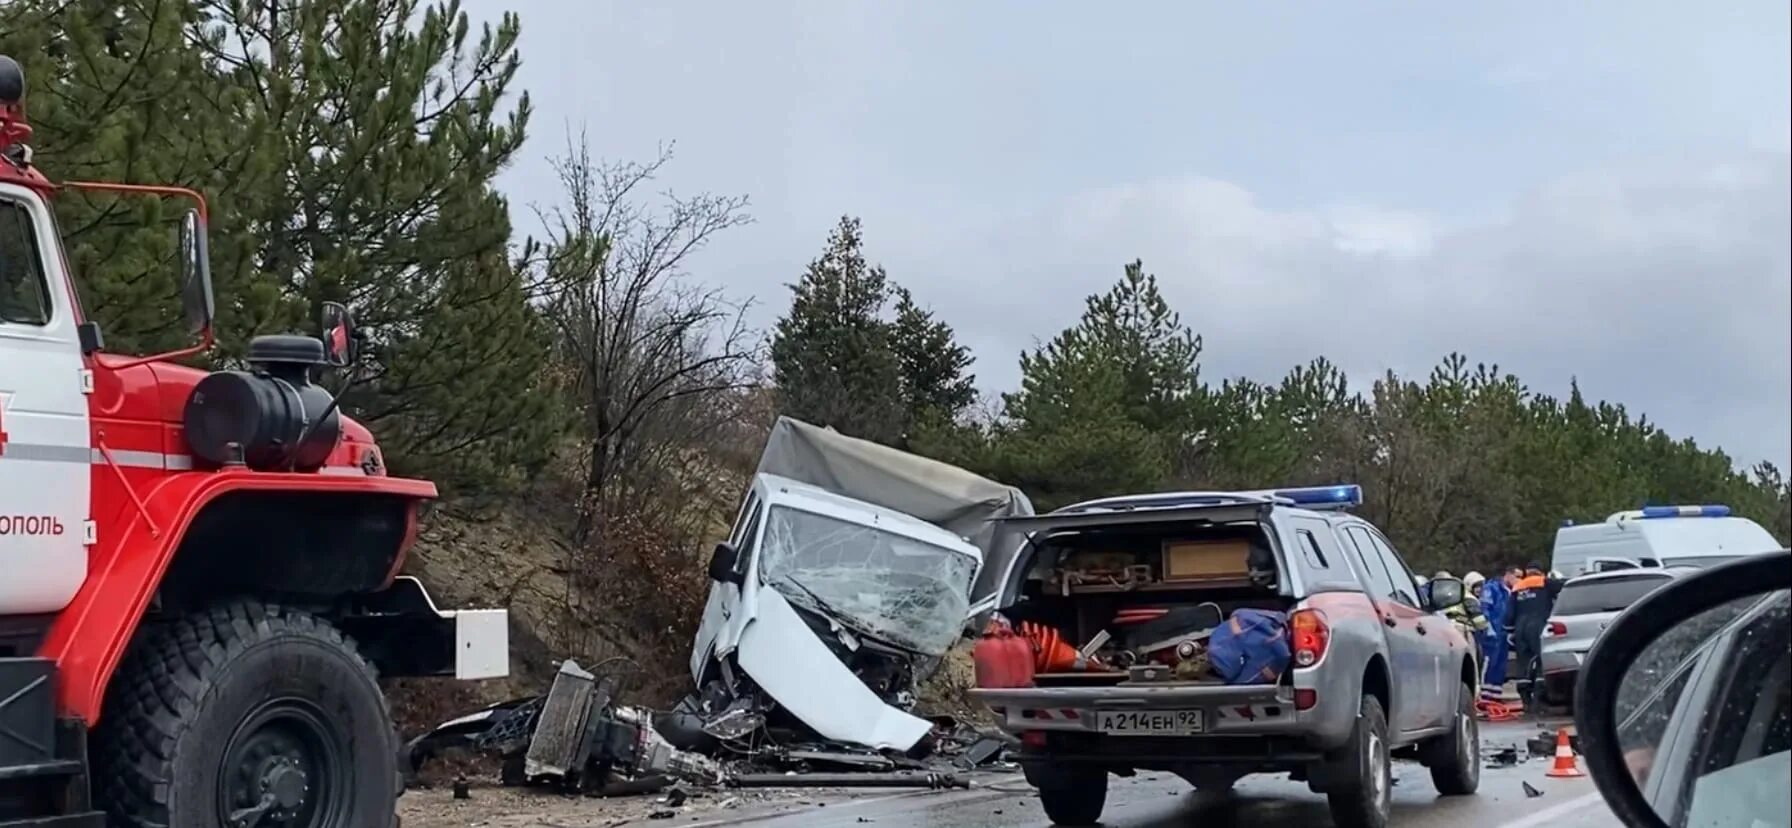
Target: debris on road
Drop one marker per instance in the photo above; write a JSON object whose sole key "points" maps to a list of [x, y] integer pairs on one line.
{"points": [[865, 567]]}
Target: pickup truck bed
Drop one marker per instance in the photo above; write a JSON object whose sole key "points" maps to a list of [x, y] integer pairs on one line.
{"points": [[1371, 671]]}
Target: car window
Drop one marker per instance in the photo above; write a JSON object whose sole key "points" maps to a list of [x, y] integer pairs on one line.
{"points": [[748, 511], [1362, 553], [1740, 774], [24, 290], [1605, 594], [1406, 590], [1309, 547], [749, 537]]}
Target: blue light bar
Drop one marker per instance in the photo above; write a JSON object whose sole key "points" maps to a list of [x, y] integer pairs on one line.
{"points": [[1324, 497], [1685, 511]]}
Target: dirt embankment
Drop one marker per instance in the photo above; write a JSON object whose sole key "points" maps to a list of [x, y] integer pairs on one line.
{"points": [[482, 555], [515, 555]]}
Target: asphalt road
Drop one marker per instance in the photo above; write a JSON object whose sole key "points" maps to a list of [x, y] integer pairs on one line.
{"points": [[1163, 801]]}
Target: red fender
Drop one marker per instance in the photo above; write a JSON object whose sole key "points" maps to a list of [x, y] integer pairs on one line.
{"points": [[89, 637]]}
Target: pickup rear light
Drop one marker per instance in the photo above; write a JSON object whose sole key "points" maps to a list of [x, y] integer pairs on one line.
{"points": [[1556, 628], [1311, 636], [1033, 739]]}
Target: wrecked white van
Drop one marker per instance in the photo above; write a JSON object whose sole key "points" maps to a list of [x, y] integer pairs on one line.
{"points": [[850, 570]]}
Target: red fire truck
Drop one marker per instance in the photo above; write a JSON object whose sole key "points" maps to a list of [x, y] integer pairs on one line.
{"points": [[199, 571]]}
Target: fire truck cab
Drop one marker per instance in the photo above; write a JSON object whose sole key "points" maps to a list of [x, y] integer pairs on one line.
{"points": [[199, 570]]}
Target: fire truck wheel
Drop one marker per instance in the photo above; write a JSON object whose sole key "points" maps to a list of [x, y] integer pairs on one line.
{"points": [[247, 714]]}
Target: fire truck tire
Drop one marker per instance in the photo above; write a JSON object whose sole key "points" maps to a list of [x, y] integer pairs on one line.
{"points": [[247, 710]]}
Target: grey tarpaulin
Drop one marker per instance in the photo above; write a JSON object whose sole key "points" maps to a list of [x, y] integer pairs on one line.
{"points": [[939, 493]]}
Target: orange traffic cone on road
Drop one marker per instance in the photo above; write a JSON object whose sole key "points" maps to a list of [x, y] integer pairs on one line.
{"points": [[1565, 767]]}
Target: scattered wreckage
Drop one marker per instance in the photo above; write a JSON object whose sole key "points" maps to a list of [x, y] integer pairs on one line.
{"points": [[852, 568]]}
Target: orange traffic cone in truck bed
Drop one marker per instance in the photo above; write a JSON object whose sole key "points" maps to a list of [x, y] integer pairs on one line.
{"points": [[1051, 652], [1565, 767]]}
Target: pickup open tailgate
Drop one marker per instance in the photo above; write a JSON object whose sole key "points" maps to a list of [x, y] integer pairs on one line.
{"points": [[1011, 555]]}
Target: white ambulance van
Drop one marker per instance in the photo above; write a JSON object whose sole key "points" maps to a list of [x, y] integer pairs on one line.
{"points": [[1658, 536]]}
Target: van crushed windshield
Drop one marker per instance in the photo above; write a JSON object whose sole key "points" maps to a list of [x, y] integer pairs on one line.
{"points": [[906, 592]]}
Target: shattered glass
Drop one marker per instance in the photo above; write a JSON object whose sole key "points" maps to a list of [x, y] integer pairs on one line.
{"points": [[909, 593]]}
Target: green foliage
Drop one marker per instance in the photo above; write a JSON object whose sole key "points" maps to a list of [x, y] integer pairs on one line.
{"points": [[839, 362], [347, 150], [1469, 469], [117, 93], [932, 365], [1111, 404], [1131, 349]]}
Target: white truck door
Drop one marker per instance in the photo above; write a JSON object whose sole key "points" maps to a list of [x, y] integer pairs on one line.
{"points": [[45, 452], [723, 603]]}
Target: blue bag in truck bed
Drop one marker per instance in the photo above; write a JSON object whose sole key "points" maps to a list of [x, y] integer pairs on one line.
{"points": [[1251, 647]]}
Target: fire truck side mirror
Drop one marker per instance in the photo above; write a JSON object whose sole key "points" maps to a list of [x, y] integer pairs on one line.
{"points": [[338, 335], [196, 273]]}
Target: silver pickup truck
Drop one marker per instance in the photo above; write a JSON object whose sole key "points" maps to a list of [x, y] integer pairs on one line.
{"points": [[1373, 672]]}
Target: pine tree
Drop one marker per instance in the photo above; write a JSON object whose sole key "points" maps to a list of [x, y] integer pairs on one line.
{"points": [[832, 354], [840, 360], [1117, 395], [936, 387], [347, 150], [381, 125], [1132, 329], [118, 93]]}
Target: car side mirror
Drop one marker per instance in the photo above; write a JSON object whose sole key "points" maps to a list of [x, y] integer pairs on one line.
{"points": [[722, 563], [196, 273], [338, 327], [1445, 593], [1682, 705]]}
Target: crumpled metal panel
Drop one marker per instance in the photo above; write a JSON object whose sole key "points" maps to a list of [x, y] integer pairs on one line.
{"points": [[555, 748]]}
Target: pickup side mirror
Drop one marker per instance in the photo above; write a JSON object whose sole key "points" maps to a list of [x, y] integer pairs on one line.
{"points": [[338, 327], [1445, 593], [196, 273], [722, 563]]}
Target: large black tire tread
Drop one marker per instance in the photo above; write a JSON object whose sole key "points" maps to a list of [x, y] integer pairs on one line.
{"points": [[1351, 793], [157, 743], [1073, 795], [1455, 766]]}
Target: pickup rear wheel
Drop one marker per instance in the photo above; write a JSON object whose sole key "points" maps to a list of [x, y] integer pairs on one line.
{"points": [[1071, 794], [1360, 790], [1455, 760], [247, 714]]}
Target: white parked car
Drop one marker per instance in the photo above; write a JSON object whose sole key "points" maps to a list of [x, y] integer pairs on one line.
{"points": [[1582, 611]]}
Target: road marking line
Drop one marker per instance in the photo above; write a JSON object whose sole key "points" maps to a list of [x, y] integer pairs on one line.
{"points": [[1552, 813]]}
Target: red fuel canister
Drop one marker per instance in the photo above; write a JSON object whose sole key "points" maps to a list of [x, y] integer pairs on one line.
{"points": [[1002, 658]]}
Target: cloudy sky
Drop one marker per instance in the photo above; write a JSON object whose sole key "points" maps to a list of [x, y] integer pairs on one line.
{"points": [[1595, 190]]}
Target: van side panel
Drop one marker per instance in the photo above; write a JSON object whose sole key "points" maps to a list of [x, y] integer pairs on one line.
{"points": [[1577, 545], [1657, 539]]}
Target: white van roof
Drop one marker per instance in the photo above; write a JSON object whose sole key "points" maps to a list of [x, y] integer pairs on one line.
{"points": [[1662, 533]]}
